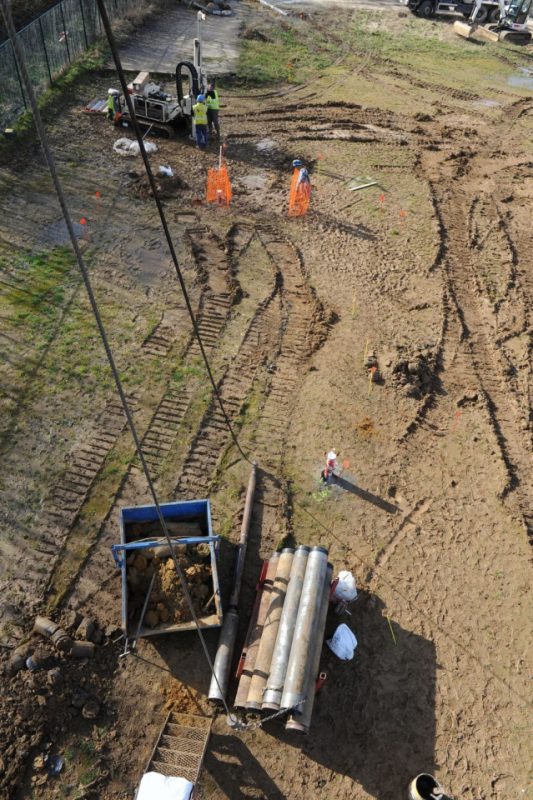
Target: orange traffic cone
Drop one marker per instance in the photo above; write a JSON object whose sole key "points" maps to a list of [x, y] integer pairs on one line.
{"points": [[218, 184], [299, 195]]}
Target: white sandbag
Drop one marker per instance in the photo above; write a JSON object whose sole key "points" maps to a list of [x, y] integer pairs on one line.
{"points": [[150, 147], [343, 643], [165, 171], [127, 147], [154, 786], [346, 590]]}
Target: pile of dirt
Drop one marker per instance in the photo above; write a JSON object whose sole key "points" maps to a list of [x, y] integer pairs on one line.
{"points": [[167, 602], [166, 186], [47, 690], [254, 34], [414, 371]]}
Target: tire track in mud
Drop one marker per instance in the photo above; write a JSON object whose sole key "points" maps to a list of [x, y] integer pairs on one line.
{"points": [[286, 328], [210, 442], [219, 291], [220, 288], [42, 549], [481, 355], [304, 330]]}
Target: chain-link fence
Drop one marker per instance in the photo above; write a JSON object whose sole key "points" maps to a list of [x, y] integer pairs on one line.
{"points": [[50, 43]]}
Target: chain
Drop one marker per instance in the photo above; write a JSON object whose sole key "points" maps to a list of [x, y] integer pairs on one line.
{"points": [[238, 724]]}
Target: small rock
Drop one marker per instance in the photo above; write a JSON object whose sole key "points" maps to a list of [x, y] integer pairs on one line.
{"points": [[91, 708], [39, 762], [53, 677], [410, 390], [79, 697], [71, 619], [140, 563], [203, 550], [85, 629], [98, 636], [468, 397], [112, 632], [151, 619], [16, 663]]}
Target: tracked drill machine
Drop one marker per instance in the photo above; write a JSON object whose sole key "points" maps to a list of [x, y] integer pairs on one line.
{"points": [[157, 110]]}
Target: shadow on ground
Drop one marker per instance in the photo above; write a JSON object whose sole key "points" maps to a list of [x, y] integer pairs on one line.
{"points": [[374, 720]]}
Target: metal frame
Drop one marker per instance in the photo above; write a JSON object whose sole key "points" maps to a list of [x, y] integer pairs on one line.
{"points": [[199, 509]]}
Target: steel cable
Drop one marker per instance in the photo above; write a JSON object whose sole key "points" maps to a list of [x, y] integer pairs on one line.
{"points": [[138, 135], [21, 62]]}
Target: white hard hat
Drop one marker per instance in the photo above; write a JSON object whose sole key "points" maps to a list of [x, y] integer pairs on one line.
{"points": [[112, 91]]}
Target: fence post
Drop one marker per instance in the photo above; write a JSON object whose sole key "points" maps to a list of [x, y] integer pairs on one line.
{"points": [[45, 51], [99, 18], [20, 82], [65, 30], [83, 23]]}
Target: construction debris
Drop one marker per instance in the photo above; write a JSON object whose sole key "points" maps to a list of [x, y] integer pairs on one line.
{"points": [[128, 147], [167, 602], [415, 372]]}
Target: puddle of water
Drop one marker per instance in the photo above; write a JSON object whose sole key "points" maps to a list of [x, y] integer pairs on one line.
{"points": [[266, 145], [523, 78], [257, 180], [487, 103]]}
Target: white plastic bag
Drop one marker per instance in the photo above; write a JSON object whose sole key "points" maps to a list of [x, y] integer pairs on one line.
{"points": [[346, 590], [343, 643], [127, 147], [165, 171], [154, 786]]}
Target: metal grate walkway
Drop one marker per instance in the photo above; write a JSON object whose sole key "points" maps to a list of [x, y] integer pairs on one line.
{"points": [[181, 746]]}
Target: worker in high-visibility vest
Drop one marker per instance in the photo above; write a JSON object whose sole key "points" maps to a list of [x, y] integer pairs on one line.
{"points": [[213, 106], [112, 103], [199, 111]]}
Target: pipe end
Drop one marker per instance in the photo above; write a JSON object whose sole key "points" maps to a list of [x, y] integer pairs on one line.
{"points": [[270, 707], [294, 725]]}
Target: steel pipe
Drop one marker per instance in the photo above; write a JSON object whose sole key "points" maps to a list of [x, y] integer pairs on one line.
{"points": [[270, 631], [305, 630], [228, 635], [300, 719], [282, 648], [243, 541], [251, 655], [222, 665]]}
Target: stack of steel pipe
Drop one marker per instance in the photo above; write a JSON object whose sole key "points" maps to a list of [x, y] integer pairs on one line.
{"points": [[283, 658], [255, 635]]}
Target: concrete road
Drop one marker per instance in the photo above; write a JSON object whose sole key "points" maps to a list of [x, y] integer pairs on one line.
{"points": [[167, 37]]}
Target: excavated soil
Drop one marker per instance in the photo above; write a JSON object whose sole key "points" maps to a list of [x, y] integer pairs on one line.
{"points": [[392, 323]]}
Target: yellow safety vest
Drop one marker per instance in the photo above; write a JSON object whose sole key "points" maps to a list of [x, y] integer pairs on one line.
{"points": [[213, 102], [200, 113]]}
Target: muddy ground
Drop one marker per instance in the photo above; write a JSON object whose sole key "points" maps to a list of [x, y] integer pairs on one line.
{"points": [[429, 270]]}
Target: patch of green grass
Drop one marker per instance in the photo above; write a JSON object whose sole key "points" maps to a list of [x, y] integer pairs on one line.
{"points": [[181, 373], [92, 60], [290, 54]]}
